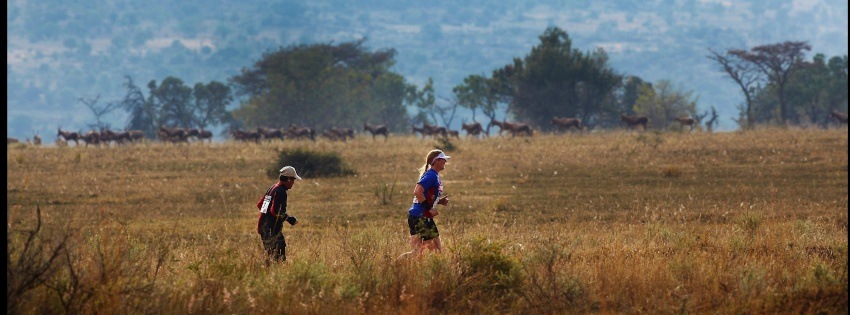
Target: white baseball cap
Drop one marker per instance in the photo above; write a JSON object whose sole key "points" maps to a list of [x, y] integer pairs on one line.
{"points": [[441, 156], [289, 171]]}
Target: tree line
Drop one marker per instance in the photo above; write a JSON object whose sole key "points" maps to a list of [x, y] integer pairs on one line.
{"points": [[329, 85]]}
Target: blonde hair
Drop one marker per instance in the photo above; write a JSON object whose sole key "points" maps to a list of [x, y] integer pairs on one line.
{"points": [[428, 159]]}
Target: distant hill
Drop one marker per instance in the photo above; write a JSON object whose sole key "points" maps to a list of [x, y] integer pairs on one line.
{"points": [[59, 51]]}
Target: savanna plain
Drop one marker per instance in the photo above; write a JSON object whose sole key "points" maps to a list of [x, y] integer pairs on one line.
{"points": [[607, 222]]}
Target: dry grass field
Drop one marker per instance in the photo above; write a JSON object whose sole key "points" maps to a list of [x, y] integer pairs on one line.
{"points": [[611, 222]]}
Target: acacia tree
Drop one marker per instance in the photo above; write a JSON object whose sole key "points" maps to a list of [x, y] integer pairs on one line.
{"points": [[777, 62]]}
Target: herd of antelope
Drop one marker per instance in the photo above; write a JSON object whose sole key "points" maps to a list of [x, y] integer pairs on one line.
{"points": [[265, 133], [97, 138], [475, 129]]}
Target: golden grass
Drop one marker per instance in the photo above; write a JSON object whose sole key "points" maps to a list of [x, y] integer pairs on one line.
{"points": [[624, 222]]}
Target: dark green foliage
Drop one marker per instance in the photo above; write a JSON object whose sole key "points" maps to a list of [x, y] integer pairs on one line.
{"points": [[322, 85], [556, 79], [487, 271], [311, 164], [445, 144]]}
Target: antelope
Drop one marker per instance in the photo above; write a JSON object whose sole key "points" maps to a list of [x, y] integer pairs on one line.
{"points": [[173, 134], [472, 129], [499, 124], [513, 128], [69, 136], [340, 133], [420, 130], [108, 135], [432, 130], [136, 135], [242, 135], [454, 133], [633, 121], [841, 117], [200, 135], [91, 137], [686, 121], [270, 133], [11, 140], [300, 132], [36, 139], [567, 123], [124, 135], [330, 135], [377, 130]]}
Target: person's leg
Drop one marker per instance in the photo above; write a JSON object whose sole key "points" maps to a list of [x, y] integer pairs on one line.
{"points": [[280, 247], [438, 244], [431, 236], [416, 244]]}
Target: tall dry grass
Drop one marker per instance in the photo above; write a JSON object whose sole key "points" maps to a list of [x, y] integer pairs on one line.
{"points": [[623, 222]]}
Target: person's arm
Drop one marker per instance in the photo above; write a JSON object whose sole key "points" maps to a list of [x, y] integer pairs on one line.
{"points": [[282, 196], [419, 193]]}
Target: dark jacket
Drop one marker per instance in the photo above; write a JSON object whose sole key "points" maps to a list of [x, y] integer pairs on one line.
{"points": [[271, 222]]}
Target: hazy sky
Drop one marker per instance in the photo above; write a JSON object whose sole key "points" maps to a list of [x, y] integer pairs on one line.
{"points": [[823, 23]]}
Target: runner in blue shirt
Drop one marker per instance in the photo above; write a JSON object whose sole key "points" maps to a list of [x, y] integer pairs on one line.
{"points": [[420, 216]]}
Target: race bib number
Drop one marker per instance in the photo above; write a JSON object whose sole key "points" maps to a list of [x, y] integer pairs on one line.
{"points": [[266, 201]]}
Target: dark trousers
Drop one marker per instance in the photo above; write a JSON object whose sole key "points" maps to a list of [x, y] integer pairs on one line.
{"points": [[275, 246]]}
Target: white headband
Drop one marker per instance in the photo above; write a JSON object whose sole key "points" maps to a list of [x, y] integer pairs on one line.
{"points": [[440, 156]]}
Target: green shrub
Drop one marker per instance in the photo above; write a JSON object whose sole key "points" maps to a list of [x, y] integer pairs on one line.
{"points": [[488, 271], [445, 145], [311, 164]]}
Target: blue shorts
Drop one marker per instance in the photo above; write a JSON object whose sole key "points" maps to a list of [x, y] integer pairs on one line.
{"points": [[426, 228]]}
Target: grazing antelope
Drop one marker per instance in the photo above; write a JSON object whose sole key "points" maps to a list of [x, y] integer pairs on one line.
{"points": [[686, 121], [339, 133], [242, 135], [513, 128], [173, 134], [92, 137], [36, 139], [841, 117], [131, 135], [200, 135], [270, 133], [633, 121], [300, 132], [419, 130], [330, 135], [432, 130], [69, 136], [108, 135], [474, 128], [377, 130], [567, 123], [499, 124]]}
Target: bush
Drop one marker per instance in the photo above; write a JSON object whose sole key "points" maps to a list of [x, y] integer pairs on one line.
{"points": [[311, 164], [488, 273], [445, 145]]}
